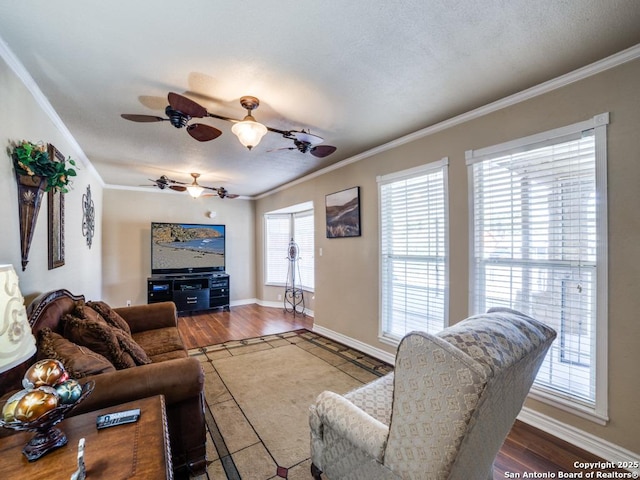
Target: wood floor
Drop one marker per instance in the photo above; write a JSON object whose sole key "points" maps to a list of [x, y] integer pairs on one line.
{"points": [[526, 450], [246, 321]]}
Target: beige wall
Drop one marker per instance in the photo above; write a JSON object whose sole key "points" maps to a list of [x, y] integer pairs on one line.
{"points": [[347, 273], [21, 117], [126, 239]]}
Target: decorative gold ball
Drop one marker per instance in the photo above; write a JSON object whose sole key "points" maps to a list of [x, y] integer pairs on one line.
{"points": [[10, 407], [45, 372], [34, 404]]}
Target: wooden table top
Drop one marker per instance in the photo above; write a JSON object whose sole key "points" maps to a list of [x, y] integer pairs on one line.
{"points": [[137, 450]]}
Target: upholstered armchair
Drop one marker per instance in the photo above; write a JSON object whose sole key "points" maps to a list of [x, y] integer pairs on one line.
{"points": [[445, 410]]}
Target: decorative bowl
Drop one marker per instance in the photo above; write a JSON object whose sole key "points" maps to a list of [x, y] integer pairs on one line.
{"points": [[47, 437]]}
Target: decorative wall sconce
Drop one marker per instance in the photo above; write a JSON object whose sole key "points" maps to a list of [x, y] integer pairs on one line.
{"points": [[38, 168], [30, 192]]}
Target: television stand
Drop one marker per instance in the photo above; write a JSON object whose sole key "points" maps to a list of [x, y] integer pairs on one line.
{"points": [[190, 292]]}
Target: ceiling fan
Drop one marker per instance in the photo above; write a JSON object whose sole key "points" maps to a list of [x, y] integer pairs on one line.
{"points": [[194, 188], [181, 109], [164, 182]]}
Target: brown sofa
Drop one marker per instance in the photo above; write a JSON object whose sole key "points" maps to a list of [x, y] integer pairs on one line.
{"points": [[171, 372]]}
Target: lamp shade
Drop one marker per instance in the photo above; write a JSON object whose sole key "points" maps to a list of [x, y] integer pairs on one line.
{"points": [[17, 344], [249, 132]]}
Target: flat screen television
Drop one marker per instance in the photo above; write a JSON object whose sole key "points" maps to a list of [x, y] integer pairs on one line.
{"points": [[184, 248]]}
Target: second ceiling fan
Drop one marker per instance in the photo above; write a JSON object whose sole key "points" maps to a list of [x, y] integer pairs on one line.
{"points": [[194, 188], [182, 109]]}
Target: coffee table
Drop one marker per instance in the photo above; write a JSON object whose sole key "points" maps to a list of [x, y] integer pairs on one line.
{"points": [[137, 450]]}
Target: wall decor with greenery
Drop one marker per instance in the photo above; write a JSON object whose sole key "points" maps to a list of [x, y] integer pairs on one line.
{"points": [[38, 169], [55, 220]]}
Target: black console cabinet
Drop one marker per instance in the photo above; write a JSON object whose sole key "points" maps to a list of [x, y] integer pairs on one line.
{"points": [[190, 293]]}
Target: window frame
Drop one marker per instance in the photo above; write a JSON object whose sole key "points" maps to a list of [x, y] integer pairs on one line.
{"points": [[290, 216], [439, 165], [598, 411], [267, 217]]}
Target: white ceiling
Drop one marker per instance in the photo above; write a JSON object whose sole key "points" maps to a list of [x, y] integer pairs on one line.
{"points": [[358, 73]]}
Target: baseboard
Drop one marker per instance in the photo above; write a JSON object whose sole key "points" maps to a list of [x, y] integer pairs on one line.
{"points": [[245, 301], [356, 344], [265, 303], [586, 441]]}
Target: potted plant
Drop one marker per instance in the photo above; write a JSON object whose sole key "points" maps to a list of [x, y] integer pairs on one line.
{"points": [[33, 160], [37, 171]]}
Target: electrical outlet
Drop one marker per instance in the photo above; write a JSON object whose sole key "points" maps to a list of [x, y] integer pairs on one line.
{"points": [[279, 297], [128, 303]]}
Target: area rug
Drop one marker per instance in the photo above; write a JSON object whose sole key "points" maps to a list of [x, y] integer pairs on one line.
{"points": [[258, 393]]}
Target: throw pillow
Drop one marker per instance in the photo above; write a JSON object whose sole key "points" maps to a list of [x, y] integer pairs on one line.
{"points": [[86, 313], [101, 312], [127, 344], [130, 346], [78, 361], [97, 336], [110, 315]]}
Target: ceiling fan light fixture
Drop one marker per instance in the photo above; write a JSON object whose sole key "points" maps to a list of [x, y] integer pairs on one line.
{"points": [[194, 190], [249, 132]]}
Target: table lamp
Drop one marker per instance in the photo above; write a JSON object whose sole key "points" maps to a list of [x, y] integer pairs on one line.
{"points": [[17, 343]]}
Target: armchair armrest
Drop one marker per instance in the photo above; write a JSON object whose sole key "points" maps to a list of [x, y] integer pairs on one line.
{"points": [[177, 380], [352, 423], [149, 317]]}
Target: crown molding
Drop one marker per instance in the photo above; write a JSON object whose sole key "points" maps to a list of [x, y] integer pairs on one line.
{"points": [[612, 61], [27, 80], [595, 68]]}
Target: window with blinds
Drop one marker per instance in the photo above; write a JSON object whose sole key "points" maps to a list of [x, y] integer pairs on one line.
{"points": [[277, 236], [303, 233], [536, 226], [413, 249], [280, 229]]}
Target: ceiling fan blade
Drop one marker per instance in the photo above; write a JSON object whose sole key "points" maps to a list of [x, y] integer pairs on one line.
{"points": [[306, 137], [142, 118], [232, 195], [186, 106], [322, 151], [202, 132], [177, 188], [281, 148]]}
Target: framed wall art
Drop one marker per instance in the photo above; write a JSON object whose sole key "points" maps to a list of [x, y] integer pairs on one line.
{"points": [[55, 205], [343, 213]]}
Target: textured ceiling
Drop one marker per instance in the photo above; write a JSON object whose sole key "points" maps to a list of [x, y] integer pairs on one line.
{"points": [[359, 73]]}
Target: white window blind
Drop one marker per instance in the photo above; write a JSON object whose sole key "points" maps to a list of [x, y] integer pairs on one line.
{"points": [[277, 237], [303, 233], [535, 230], [413, 247], [280, 229]]}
